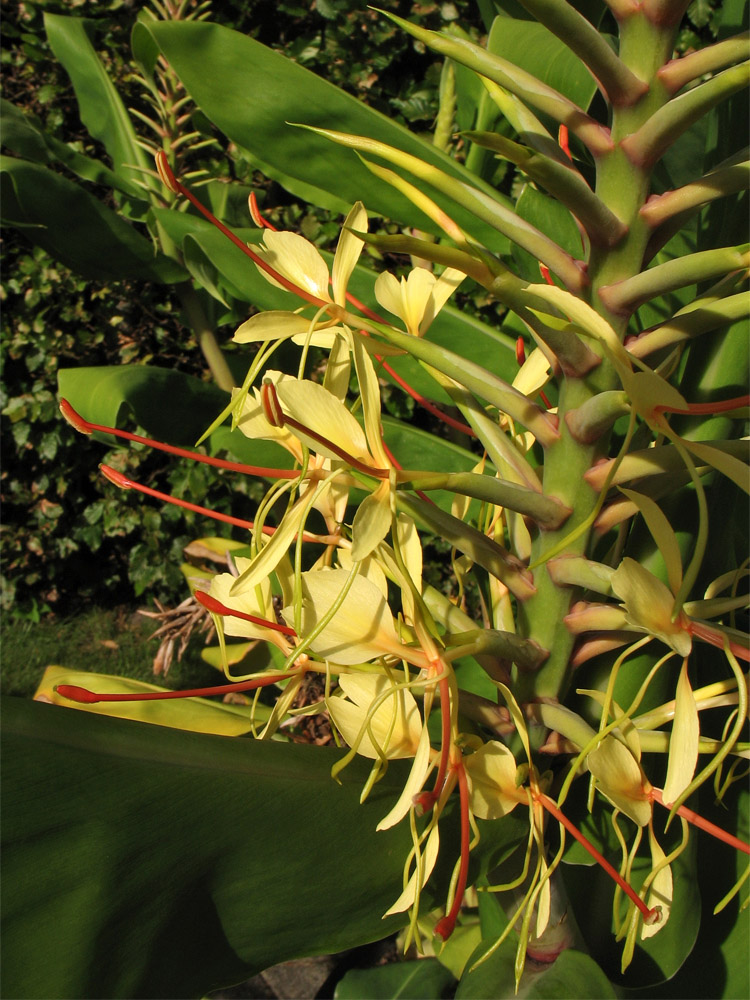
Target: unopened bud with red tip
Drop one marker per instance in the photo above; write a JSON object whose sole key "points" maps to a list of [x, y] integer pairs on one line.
{"points": [[544, 271]]}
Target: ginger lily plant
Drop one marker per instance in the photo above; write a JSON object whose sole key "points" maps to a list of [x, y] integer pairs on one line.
{"points": [[588, 665]]}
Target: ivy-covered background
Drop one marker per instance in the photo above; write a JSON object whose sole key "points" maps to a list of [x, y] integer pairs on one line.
{"points": [[69, 538]]}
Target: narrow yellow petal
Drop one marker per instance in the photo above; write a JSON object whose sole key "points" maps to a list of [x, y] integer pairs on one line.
{"points": [[362, 628], [197, 715], [272, 325], [492, 780], [683, 741], [315, 407], [649, 604], [348, 251], [619, 777], [297, 259], [444, 287], [418, 878], [372, 522], [660, 893], [419, 769]]}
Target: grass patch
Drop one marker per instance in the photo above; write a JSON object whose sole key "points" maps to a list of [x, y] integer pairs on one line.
{"points": [[100, 640]]}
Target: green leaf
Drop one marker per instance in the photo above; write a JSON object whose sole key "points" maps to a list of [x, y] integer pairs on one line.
{"points": [[266, 93], [657, 958], [24, 135], [535, 49], [572, 974], [211, 888], [171, 406], [76, 228], [102, 111], [406, 980]]}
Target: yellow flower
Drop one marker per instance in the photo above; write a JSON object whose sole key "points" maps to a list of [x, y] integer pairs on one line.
{"points": [[418, 298]]}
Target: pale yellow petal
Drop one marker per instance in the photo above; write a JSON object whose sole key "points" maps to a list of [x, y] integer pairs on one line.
{"points": [[296, 259], [319, 410], [348, 251], [395, 727], [253, 423], [660, 893], [492, 781], [388, 292], [419, 769], [533, 374], [369, 388], [361, 629], [416, 293], [198, 715], [444, 287], [619, 777], [372, 522], [649, 604], [272, 325], [418, 878], [683, 741]]}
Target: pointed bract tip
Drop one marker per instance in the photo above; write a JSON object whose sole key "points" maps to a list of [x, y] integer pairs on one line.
{"points": [[115, 477], [74, 693], [73, 418], [165, 172]]}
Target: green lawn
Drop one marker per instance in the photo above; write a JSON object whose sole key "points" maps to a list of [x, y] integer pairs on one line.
{"points": [[101, 640]]}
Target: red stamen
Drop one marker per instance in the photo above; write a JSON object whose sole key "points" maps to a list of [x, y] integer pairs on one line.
{"points": [[166, 174], [562, 140], [86, 427], [446, 926], [74, 693], [721, 406], [256, 216], [425, 403], [650, 916], [703, 824], [544, 270], [218, 608], [716, 638], [128, 484], [520, 351]]}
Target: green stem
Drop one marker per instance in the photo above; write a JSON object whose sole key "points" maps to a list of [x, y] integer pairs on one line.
{"points": [[198, 323]]}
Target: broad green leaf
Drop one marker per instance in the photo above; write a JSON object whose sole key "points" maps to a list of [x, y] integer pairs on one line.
{"points": [[535, 49], [147, 862], [413, 980], [102, 110], [658, 958], [169, 405], [572, 974], [24, 135], [76, 228], [197, 715], [266, 91]]}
